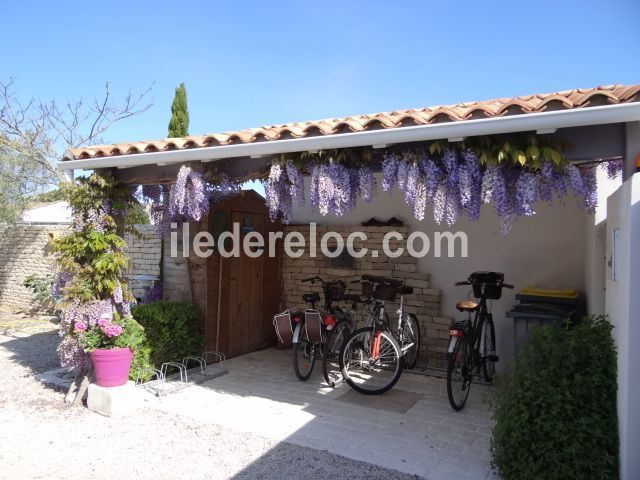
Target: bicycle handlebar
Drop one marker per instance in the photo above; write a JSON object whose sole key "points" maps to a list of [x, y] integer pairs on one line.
{"points": [[311, 279], [467, 282]]}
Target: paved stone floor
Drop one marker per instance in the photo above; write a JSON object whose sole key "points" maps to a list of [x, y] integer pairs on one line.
{"points": [[261, 394]]}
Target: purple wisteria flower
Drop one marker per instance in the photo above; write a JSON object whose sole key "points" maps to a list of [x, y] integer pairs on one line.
{"points": [[490, 182], [314, 199], [403, 172], [296, 182], [188, 197], [278, 194], [590, 189], [72, 355], [366, 184], [470, 174], [334, 189], [526, 193], [390, 165], [575, 179], [433, 176], [439, 202], [614, 168]]}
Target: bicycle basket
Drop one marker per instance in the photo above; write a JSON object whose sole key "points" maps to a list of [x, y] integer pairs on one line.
{"points": [[381, 292], [335, 292], [490, 281], [313, 324]]}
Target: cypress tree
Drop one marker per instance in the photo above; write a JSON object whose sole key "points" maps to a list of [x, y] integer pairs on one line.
{"points": [[179, 123]]}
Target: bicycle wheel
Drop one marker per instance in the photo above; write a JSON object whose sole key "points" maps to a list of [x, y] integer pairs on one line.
{"points": [[459, 374], [411, 331], [330, 357], [371, 361], [489, 359], [304, 357]]}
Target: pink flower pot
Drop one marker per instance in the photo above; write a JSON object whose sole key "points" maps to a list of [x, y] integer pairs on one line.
{"points": [[112, 366]]}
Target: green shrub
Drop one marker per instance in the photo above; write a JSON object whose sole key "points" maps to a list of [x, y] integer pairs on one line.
{"points": [[41, 286], [171, 331], [556, 416], [140, 366]]}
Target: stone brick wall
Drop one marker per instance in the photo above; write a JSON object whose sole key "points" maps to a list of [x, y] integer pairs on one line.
{"points": [[145, 254], [185, 278], [23, 251], [424, 302]]}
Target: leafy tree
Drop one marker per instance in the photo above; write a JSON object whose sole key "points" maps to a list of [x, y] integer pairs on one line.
{"points": [[179, 123], [35, 134]]}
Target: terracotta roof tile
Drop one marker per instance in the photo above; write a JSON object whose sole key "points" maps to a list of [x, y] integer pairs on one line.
{"points": [[568, 99]]}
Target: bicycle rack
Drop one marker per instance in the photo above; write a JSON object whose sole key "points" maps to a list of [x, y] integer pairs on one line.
{"points": [[220, 356], [199, 361], [174, 376]]}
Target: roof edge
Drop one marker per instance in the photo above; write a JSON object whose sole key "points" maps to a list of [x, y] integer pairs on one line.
{"points": [[605, 114]]}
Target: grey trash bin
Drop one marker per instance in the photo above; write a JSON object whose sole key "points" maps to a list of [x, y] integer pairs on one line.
{"points": [[529, 315]]}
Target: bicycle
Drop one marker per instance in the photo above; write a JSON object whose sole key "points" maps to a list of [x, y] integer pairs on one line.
{"points": [[372, 358], [339, 324], [320, 328], [472, 343]]}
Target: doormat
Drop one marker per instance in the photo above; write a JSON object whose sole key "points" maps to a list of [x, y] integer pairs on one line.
{"points": [[398, 401]]}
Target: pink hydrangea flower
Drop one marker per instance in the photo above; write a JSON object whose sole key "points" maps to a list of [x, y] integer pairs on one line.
{"points": [[103, 322], [79, 327], [112, 330]]}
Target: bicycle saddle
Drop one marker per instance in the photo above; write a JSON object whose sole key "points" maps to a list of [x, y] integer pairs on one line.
{"points": [[405, 290], [348, 297], [382, 280], [467, 306], [311, 297]]}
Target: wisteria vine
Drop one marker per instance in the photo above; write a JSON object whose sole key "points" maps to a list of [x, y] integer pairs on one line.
{"points": [[454, 183]]}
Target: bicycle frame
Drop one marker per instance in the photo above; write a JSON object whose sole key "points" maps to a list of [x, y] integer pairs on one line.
{"points": [[378, 314]]}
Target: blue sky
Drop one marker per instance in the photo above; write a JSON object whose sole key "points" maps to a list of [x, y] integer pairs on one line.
{"points": [[247, 64]]}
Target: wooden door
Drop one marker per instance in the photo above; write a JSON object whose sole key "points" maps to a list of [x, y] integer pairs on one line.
{"points": [[246, 291]]}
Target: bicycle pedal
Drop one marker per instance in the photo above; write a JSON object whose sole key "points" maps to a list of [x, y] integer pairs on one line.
{"points": [[493, 358]]}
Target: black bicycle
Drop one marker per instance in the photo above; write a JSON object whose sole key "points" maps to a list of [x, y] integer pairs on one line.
{"points": [[472, 342], [321, 332], [372, 358]]}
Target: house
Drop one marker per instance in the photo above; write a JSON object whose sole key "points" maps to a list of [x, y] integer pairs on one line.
{"points": [[559, 247], [51, 212]]}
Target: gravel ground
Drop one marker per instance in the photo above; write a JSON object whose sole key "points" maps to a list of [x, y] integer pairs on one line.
{"points": [[41, 438]]}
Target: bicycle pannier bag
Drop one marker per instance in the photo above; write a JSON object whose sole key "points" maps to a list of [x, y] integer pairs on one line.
{"points": [[284, 327], [313, 324]]}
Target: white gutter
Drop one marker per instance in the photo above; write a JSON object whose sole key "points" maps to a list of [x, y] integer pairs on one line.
{"points": [[619, 113]]}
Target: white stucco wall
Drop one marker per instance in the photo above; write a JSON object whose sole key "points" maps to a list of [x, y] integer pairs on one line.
{"points": [[595, 235], [623, 307], [547, 250], [57, 212]]}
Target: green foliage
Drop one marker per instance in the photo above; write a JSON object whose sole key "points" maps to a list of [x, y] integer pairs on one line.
{"points": [[556, 416], [20, 179], [54, 195], [132, 336], [137, 215], [140, 366], [519, 148], [94, 254], [40, 286], [179, 123], [171, 331]]}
